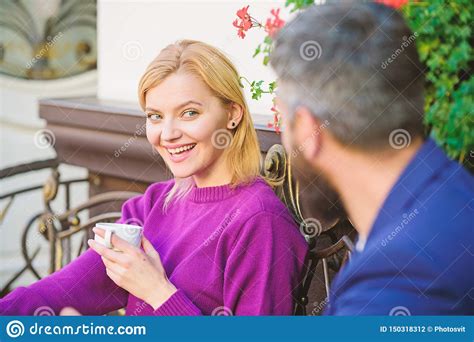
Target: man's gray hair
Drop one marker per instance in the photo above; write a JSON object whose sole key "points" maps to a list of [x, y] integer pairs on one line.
{"points": [[356, 66]]}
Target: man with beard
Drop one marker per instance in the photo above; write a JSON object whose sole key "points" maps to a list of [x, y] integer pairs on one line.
{"points": [[351, 97]]}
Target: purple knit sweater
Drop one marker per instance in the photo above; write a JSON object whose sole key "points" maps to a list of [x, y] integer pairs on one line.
{"points": [[226, 251]]}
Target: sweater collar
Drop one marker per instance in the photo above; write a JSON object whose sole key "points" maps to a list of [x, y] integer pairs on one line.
{"points": [[214, 193]]}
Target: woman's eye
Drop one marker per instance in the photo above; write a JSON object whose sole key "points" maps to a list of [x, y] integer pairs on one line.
{"points": [[154, 117], [190, 113]]}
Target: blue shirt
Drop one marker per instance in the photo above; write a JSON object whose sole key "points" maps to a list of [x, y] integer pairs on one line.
{"points": [[419, 255]]}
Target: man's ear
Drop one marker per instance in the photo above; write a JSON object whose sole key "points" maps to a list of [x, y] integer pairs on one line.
{"points": [[235, 115], [306, 133]]}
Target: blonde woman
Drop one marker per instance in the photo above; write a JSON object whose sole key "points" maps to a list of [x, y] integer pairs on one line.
{"points": [[216, 238]]}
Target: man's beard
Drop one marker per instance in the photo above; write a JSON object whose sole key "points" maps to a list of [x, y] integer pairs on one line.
{"points": [[319, 200]]}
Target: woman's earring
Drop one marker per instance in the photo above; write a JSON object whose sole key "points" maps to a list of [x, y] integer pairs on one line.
{"points": [[233, 124]]}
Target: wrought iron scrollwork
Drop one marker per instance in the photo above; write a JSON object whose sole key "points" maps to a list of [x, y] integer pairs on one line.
{"points": [[57, 229], [277, 170]]}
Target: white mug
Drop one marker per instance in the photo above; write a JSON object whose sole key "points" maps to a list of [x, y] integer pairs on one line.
{"points": [[128, 232]]}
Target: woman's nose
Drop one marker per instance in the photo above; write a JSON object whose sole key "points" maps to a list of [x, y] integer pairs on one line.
{"points": [[170, 131]]}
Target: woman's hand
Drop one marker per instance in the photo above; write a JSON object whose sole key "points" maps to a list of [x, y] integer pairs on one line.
{"points": [[69, 311], [139, 272]]}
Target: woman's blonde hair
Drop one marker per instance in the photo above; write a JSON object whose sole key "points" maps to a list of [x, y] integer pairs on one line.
{"points": [[220, 75]]}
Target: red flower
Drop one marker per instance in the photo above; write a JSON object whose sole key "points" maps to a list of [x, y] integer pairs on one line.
{"points": [[274, 24], [243, 13], [245, 22], [393, 3]]}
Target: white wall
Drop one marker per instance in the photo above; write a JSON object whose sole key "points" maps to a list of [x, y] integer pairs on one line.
{"points": [[131, 33], [19, 125], [19, 98]]}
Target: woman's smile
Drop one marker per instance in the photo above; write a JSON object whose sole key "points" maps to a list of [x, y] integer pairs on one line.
{"points": [[179, 152]]}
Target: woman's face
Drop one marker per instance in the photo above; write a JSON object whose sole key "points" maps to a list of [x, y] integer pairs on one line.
{"points": [[182, 116]]}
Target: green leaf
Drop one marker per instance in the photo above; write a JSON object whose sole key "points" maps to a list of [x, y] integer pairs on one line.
{"points": [[257, 51], [444, 44]]}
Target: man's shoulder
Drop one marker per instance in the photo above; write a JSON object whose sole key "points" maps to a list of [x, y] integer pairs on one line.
{"points": [[437, 216], [450, 185], [425, 255], [425, 272], [420, 248], [435, 236]]}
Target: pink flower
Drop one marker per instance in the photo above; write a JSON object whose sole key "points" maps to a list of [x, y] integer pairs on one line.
{"points": [[276, 120], [273, 25], [243, 13], [245, 22]]}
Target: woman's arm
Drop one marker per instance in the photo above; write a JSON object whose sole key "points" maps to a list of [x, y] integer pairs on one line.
{"points": [[262, 273], [83, 284]]}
